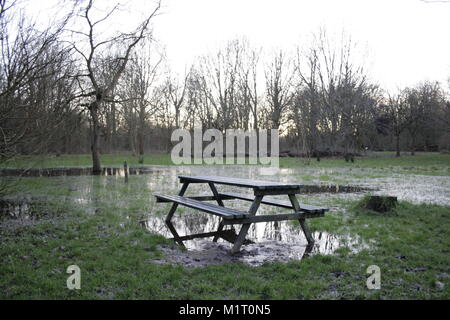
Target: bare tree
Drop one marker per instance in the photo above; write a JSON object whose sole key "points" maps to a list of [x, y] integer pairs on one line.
{"points": [[247, 95], [333, 94], [31, 58], [220, 72], [90, 45], [279, 85], [424, 102], [34, 83], [306, 106], [397, 111], [138, 94], [165, 116], [175, 93], [198, 106]]}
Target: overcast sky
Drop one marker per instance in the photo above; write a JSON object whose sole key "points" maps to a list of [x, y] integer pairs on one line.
{"points": [[405, 41]]}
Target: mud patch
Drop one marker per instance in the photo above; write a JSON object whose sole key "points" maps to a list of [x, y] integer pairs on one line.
{"points": [[208, 253], [16, 213], [25, 209]]}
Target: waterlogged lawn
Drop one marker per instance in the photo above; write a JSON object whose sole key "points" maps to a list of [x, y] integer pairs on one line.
{"points": [[84, 160], [92, 222], [430, 163]]}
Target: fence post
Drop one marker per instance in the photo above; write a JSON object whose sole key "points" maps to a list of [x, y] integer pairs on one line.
{"points": [[125, 167]]}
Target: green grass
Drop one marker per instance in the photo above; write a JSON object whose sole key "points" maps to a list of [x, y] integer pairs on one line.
{"points": [[114, 252]]}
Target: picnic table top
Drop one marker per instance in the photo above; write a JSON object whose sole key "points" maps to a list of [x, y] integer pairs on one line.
{"points": [[249, 183]]}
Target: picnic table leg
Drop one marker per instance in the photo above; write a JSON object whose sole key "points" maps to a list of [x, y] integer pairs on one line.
{"points": [[302, 221], [174, 207], [219, 229], [220, 203], [244, 229]]}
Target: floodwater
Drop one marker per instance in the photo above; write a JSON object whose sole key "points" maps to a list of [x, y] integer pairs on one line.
{"points": [[74, 171], [277, 231], [273, 241], [270, 242]]}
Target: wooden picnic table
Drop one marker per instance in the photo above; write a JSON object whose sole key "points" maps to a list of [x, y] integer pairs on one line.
{"points": [[230, 216]]}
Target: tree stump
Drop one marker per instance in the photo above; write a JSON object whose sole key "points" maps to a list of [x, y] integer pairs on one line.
{"points": [[381, 203]]}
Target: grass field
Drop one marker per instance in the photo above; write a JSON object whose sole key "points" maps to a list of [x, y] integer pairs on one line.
{"points": [[113, 251]]}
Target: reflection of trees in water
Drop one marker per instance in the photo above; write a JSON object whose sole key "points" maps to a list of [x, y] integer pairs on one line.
{"points": [[200, 222], [184, 224], [157, 225], [276, 230], [284, 231], [272, 231], [77, 171], [164, 180], [196, 223], [327, 243]]}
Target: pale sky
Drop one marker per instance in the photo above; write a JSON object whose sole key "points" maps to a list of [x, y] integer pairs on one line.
{"points": [[406, 41]]}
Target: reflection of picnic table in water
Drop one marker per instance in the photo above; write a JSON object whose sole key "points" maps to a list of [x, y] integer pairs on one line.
{"points": [[230, 216]]}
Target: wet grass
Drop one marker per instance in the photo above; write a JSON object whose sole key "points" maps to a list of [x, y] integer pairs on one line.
{"points": [[113, 252], [43, 161], [430, 163]]}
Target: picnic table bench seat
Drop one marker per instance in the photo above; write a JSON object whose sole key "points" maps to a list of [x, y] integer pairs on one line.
{"points": [[223, 212], [196, 202], [313, 211]]}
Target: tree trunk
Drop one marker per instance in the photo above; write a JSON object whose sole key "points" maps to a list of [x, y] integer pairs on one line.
{"points": [[110, 128], [95, 139], [413, 144], [177, 117], [397, 145], [141, 145], [132, 140], [140, 135]]}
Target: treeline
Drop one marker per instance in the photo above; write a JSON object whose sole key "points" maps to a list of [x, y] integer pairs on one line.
{"points": [[70, 88]]}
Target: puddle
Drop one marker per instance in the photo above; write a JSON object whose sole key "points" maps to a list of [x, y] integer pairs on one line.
{"points": [[74, 171], [272, 241]]}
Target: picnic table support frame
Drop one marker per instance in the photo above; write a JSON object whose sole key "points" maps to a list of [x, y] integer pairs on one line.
{"points": [[244, 229], [220, 203], [228, 235], [169, 216], [302, 221]]}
